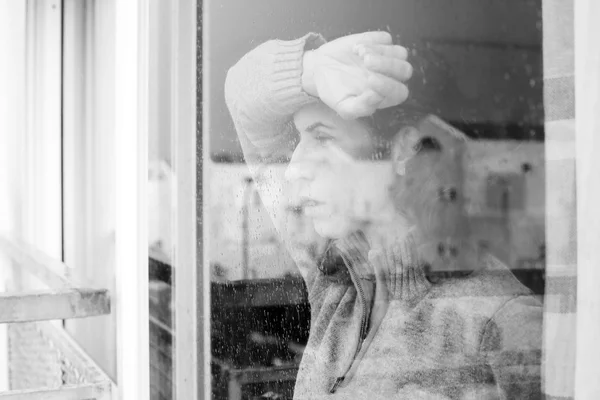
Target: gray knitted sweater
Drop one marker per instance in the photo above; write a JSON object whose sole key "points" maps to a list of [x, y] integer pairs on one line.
{"points": [[475, 337]]}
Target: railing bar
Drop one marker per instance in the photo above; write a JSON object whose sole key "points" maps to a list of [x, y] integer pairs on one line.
{"points": [[36, 262], [53, 305], [73, 352], [68, 392]]}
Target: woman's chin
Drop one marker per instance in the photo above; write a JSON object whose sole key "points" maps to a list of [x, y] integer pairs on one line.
{"points": [[332, 228]]}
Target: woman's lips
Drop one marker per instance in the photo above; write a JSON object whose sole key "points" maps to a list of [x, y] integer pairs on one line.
{"points": [[312, 208], [307, 203]]}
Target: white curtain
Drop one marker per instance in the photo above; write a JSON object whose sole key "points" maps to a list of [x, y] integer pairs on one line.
{"points": [[558, 375]]}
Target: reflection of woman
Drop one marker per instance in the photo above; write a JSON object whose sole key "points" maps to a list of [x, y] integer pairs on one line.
{"points": [[381, 328]]}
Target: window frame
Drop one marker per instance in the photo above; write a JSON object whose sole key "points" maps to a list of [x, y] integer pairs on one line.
{"points": [[587, 146], [192, 339], [131, 24]]}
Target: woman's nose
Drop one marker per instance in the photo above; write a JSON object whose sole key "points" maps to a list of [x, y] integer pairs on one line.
{"points": [[300, 166]]}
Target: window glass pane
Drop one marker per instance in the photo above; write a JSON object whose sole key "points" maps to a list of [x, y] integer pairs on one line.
{"points": [[387, 213], [161, 202]]}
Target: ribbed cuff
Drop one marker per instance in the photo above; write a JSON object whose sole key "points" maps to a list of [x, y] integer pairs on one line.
{"points": [[286, 82]]}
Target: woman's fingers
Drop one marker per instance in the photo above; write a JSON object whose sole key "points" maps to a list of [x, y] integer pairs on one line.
{"points": [[359, 106], [392, 91], [385, 50], [371, 38], [392, 67]]}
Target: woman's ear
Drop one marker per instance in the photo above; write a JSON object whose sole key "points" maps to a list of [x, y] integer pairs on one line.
{"points": [[404, 147]]}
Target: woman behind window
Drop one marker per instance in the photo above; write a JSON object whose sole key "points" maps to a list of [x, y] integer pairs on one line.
{"points": [[366, 169]]}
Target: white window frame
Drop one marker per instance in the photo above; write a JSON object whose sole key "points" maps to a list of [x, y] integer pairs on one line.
{"points": [[587, 150], [131, 246], [131, 127], [192, 336]]}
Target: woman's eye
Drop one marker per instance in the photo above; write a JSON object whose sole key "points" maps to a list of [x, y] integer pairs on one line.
{"points": [[323, 137]]}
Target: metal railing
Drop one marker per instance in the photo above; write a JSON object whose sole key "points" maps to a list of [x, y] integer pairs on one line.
{"points": [[44, 362]]}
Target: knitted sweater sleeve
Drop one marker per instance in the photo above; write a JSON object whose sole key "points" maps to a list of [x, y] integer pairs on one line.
{"points": [[263, 90]]}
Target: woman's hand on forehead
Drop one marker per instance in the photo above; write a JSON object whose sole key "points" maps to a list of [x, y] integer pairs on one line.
{"points": [[357, 74]]}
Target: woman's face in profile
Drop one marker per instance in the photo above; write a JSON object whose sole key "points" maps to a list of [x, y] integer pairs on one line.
{"points": [[339, 186]]}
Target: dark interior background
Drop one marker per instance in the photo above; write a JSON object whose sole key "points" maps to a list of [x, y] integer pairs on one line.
{"points": [[492, 50]]}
